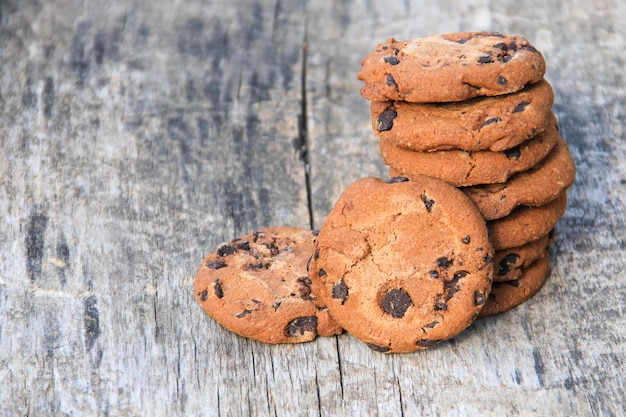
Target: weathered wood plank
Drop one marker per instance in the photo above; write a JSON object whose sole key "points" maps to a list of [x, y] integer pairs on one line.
{"points": [[136, 136]]}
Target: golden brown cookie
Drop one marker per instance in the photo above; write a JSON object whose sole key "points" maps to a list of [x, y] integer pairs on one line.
{"points": [[534, 187], [257, 286], [508, 263], [461, 168], [484, 123], [506, 295], [526, 223], [450, 67], [406, 264]]}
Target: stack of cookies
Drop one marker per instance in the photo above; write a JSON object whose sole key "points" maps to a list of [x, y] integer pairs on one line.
{"points": [[461, 230], [474, 110]]}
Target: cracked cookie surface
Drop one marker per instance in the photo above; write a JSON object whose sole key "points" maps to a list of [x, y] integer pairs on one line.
{"points": [[405, 264], [450, 67], [257, 286]]}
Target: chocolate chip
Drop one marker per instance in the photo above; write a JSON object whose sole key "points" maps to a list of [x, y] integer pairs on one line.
{"points": [[301, 325], [216, 264], [385, 120], [305, 287], [243, 313], [440, 306], [444, 262], [433, 273], [521, 107], [258, 266], [244, 245], [507, 263], [513, 153], [512, 283], [316, 254], [308, 263], [377, 348], [321, 273], [340, 291], [277, 304], [530, 48], [394, 180], [425, 343], [390, 81], [391, 59], [466, 240], [507, 58], [226, 250], [502, 80], [428, 203], [217, 288], [452, 287], [396, 302], [479, 298], [203, 295], [490, 121], [488, 259], [485, 59]]}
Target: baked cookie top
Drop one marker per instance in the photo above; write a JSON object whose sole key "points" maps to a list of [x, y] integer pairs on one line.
{"points": [[406, 264], [257, 286], [494, 123], [450, 67]]}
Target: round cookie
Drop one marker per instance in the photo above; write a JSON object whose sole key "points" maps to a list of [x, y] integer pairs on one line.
{"points": [[450, 67], [257, 286], [462, 168], [534, 187], [508, 263], [526, 223], [506, 295], [484, 123], [406, 264]]}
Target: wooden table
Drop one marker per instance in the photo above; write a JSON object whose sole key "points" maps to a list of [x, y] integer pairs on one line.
{"points": [[138, 135]]}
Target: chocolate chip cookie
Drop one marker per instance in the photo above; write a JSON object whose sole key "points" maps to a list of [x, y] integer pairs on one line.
{"points": [[508, 263], [257, 286], [463, 168], [526, 223], [450, 67], [484, 123], [534, 187], [506, 295], [406, 264]]}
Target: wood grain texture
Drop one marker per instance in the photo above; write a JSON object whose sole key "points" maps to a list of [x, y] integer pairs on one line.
{"points": [[135, 136]]}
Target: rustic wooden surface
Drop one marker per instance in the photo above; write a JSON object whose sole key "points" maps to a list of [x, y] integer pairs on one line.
{"points": [[135, 136]]}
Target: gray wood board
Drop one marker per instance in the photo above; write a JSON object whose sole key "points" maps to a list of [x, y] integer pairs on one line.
{"points": [[137, 136]]}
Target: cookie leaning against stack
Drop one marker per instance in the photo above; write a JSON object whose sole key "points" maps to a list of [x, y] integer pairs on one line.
{"points": [[474, 110]]}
